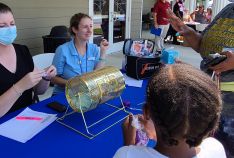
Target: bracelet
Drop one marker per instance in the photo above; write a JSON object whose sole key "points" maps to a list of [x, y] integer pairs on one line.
{"points": [[16, 90], [45, 79]]}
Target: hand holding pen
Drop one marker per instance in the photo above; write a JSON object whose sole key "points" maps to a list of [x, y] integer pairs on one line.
{"points": [[50, 72]]}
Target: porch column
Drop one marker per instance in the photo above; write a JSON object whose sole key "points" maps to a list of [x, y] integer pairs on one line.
{"points": [[218, 5], [206, 4], [190, 5]]}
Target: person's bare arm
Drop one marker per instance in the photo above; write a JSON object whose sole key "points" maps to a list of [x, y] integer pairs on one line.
{"points": [[5, 104], [59, 81], [178, 15], [8, 98], [191, 36], [129, 132], [155, 20], [43, 85], [104, 45], [192, 15]]}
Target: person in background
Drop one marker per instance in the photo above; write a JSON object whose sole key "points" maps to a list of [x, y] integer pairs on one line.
{"points": [[159, 15], [208, 15], [19, 78], [178, 10], [199, 15], [186, 16], [78, 56], [185, 106]]}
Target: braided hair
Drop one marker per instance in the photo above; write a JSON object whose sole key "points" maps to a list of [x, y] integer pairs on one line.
{"points": [[184, 103]]}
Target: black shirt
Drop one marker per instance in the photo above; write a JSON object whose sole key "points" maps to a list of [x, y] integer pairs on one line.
{"points": [[24, 65], [176, 9]]}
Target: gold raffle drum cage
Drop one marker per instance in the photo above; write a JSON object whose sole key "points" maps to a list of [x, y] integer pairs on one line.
{"points": [[86, 92]]}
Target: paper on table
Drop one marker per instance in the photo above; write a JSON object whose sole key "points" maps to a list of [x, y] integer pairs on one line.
{"points": [[132, 82], [23, 130]]}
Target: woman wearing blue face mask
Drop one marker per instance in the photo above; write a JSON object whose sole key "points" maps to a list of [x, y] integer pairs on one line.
{"points": [[18, 78]]}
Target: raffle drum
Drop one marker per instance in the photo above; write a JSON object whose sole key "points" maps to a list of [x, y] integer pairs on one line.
{"points": [[86, 92]]}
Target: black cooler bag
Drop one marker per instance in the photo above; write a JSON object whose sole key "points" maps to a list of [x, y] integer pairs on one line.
{"points": [[140, 66]]}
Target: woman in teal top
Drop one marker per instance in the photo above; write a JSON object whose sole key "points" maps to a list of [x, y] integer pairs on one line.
{"points": [[78, 57]]}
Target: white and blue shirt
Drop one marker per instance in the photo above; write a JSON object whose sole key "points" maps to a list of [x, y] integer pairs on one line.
{"points": [[69, 63]]}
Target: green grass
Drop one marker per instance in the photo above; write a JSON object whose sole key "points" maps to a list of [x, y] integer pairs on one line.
{"points": [[97, 31]]}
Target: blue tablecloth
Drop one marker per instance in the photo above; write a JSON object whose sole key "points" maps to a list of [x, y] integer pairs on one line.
{"points": [[58, 141]]}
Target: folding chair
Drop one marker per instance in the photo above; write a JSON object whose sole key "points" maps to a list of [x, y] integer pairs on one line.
{"points": [[42, 61]]}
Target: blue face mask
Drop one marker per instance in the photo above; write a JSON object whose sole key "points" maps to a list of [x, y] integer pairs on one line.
{"points": [[8, 35]]}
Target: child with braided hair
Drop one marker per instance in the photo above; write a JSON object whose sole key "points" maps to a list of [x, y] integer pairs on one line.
{"points": [[184, 105]]}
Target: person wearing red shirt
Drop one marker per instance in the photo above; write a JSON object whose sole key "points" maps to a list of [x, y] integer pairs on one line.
{"points": [[160, 16]]}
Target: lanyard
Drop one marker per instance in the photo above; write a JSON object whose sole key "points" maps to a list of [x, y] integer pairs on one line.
{"points": [[80, 62]]}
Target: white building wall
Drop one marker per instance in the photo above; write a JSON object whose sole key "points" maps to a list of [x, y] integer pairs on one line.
{"points": [[35, 18], [218, 5], [147, 5], [190, 5]]}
